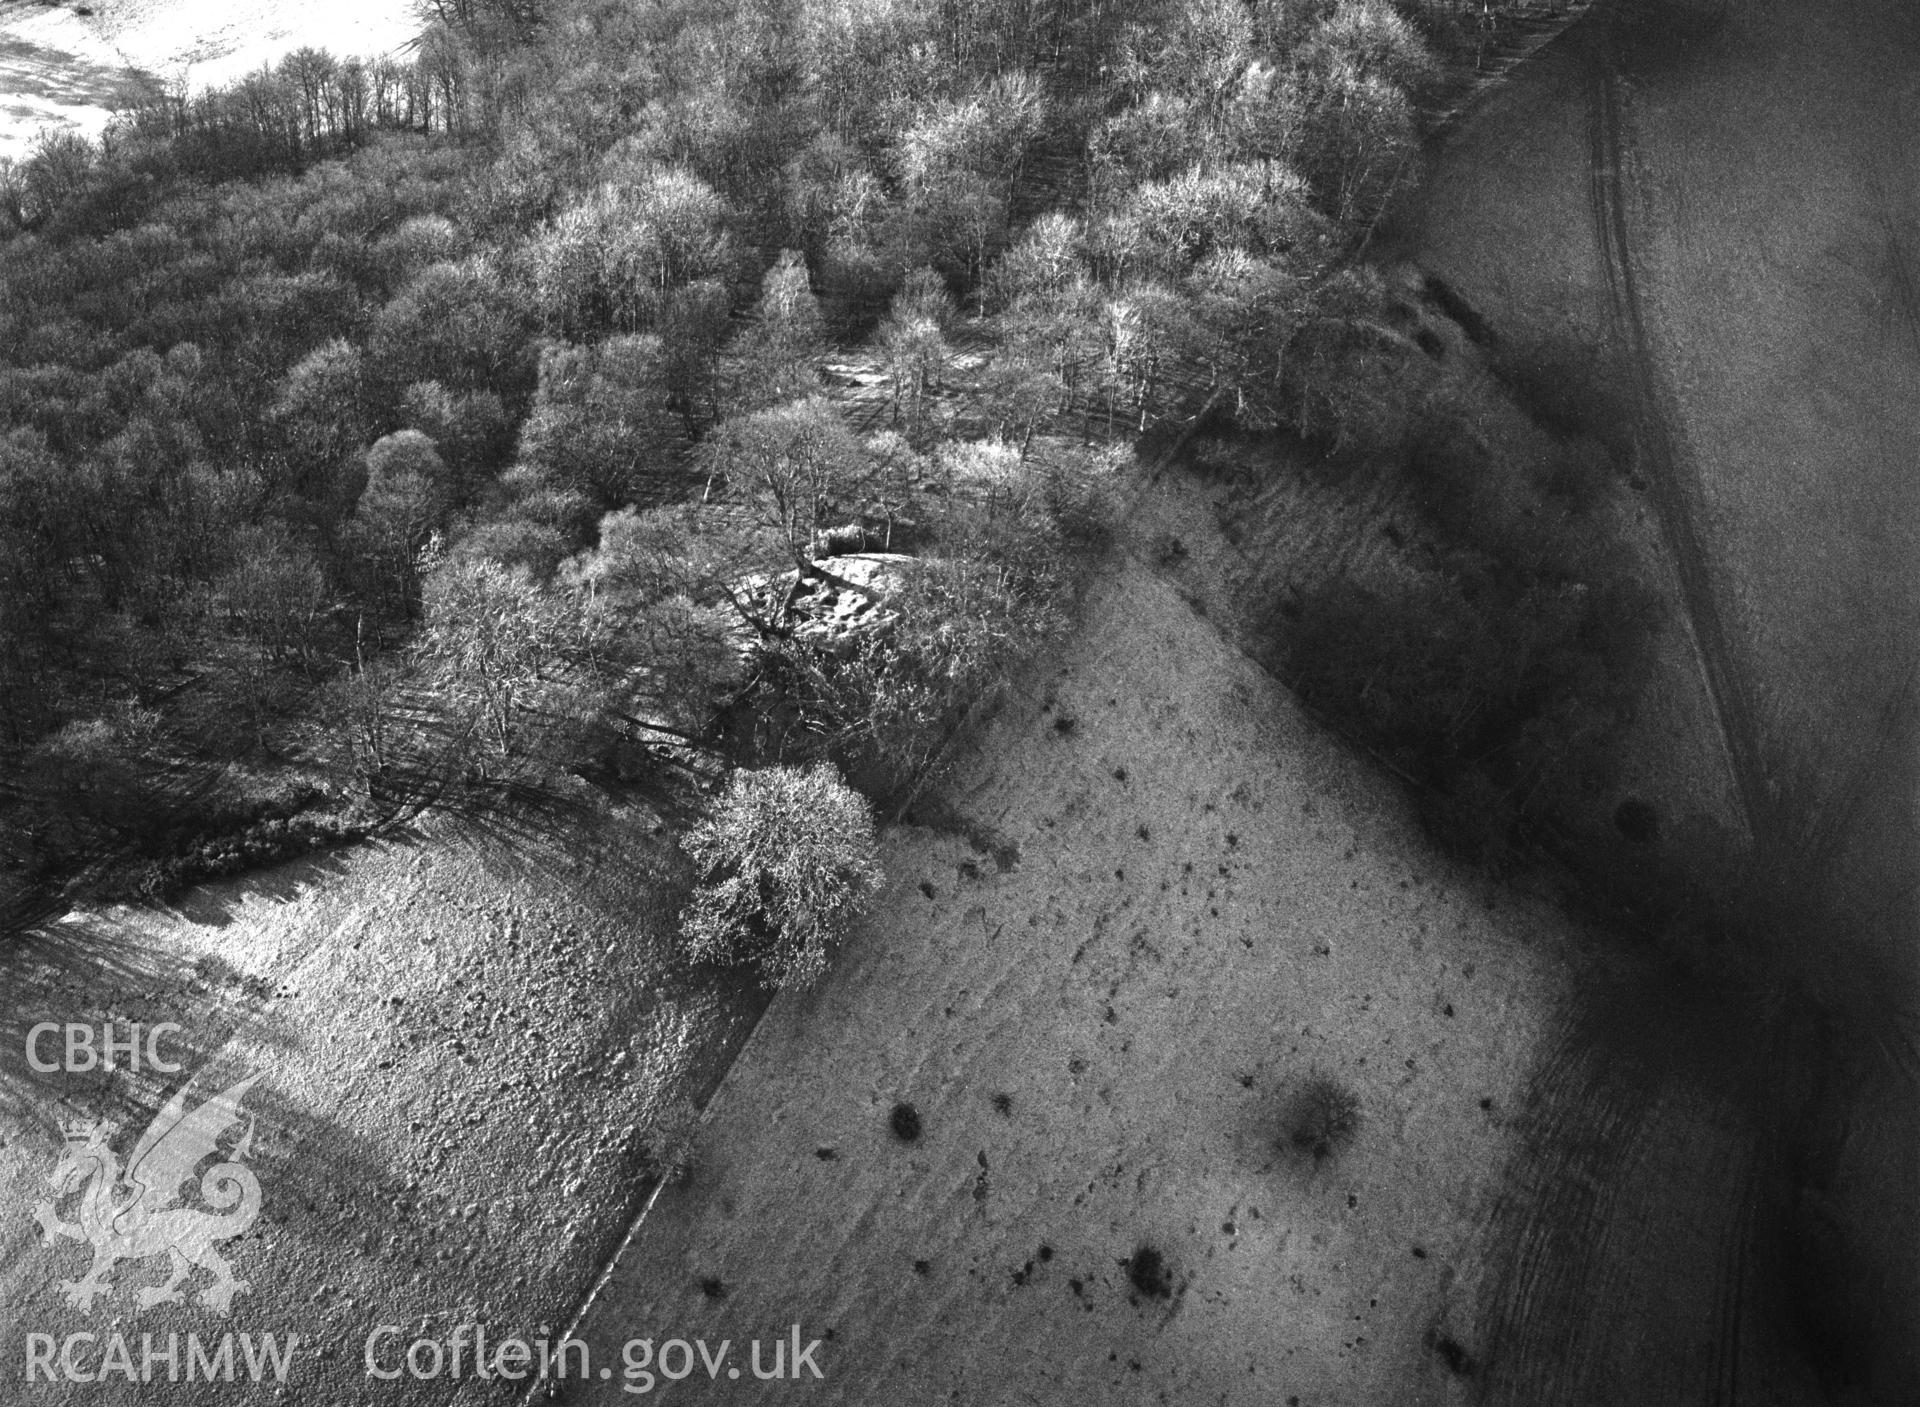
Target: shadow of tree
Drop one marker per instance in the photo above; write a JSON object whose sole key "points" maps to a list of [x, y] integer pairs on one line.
{"points": [[413, 1179], [314, 1251], [213, 903], [89, 969]]}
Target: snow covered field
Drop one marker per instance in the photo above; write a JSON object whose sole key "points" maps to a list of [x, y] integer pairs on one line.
{"points": [[68, 64]]}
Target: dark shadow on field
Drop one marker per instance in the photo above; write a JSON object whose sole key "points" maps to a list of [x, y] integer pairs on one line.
{"points": [[614, 846], [214, 902], [89, 969], [1715, 1196], [55, 77], [338, 1223], [1623, 1238], [1701, 1209], [552, 829]]}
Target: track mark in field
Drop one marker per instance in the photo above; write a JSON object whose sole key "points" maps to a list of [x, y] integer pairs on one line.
{"points": [[1630, 1223], [1556, 1214], [1668, 465], [1638, 1184], [1900, 311]]}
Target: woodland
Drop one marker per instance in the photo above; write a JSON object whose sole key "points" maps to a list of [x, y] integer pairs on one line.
{"points": [[450, 431]]}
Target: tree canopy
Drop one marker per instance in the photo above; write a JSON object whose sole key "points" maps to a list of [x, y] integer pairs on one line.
{"points": [[376, 370]]}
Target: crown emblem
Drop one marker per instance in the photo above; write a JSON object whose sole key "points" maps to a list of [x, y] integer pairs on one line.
{"points": [[137, 1213]]}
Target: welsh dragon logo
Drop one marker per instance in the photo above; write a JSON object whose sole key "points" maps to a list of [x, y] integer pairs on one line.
{"points": [[135, 1214]]}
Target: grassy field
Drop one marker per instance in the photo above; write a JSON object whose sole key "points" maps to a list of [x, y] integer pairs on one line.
{"points": [[460, 1043], [1768, 213], [1781, 212], [1780, 256], [1160, 904]]}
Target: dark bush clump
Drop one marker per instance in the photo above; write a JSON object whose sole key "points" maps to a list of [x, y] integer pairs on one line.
{"points": [[1501, 696], [905, 1123], [1148, 1272], [1324, 1118], [1452, 1353]]}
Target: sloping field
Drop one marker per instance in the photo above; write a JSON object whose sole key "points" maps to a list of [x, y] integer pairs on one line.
{"points": [[1505, 219], [1633, 1250], [56, 71], [1502, 215], [1180, 900], [70, 66], [1780, 211], [1753, 230], [1780, 207], [458, 1046], [216, 41]]}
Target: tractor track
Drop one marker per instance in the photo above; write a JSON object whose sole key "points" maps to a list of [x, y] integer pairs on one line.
{"points": [[1641, 1246], [1555, 1217], [1644, 1172], [1628, 1233], [1667, 466]]}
